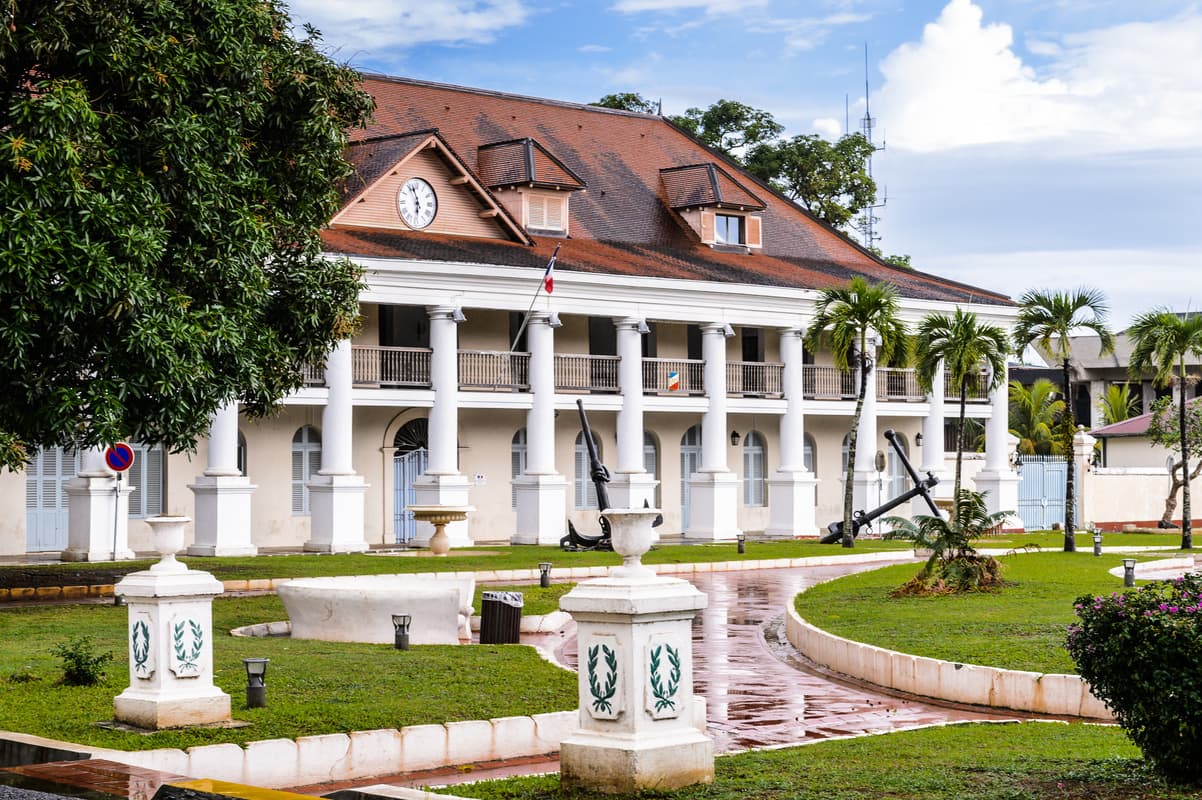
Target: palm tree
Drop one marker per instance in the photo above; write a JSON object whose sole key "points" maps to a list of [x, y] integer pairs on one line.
{"points": [[1033, 415], [1048, 318], [1162, 340], [1118, 403], [964, 346], [845, 318]]}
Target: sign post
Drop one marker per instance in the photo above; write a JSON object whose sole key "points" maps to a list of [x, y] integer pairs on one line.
{"points": [[118, 457]]}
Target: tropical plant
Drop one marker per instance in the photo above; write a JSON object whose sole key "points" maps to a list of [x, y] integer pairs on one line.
{"points": [[1049, 319], [82, 665], [1164, 430], [954, 564], [1118, 403], [1034, 415], [1162, 340], [846, 319], [963, 346]]}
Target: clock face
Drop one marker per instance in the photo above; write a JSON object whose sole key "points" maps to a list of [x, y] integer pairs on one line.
{"points": [[417, 203]]}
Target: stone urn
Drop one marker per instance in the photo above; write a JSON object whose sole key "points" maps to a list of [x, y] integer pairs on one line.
{"points": [[169, 533], [632, 535], [440, 517]]}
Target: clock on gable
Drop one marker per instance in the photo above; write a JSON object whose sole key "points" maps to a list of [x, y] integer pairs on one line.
{"points": [[417, 203]]}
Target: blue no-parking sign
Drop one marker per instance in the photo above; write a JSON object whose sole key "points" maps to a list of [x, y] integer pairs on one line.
{"points": [[119, 457]]}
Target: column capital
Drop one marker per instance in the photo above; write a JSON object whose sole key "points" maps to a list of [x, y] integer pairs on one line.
{"points": [[793, 330], [549, 318], [718, 327], [637, 324], [452, 313]]}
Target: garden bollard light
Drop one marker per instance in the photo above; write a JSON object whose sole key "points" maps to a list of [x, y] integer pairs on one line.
{"points": [[400, 625], [1097, 541], [1128, 572], [544, 574], [742, 540], [256, 685]]}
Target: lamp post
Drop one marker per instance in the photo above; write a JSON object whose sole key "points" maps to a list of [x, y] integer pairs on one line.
{"points": [[400, 624], [544, 574], [1097, 541], [1128, 572], [256, 685], [742, 540]]}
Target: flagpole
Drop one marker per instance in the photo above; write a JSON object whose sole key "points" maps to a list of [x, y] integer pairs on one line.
{"points": [[533, 300]]}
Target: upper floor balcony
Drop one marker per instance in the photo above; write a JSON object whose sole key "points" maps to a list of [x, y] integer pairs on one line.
{"points": [[494, 371]]}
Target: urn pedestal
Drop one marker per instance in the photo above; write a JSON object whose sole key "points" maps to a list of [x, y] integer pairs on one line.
{"points": [[639, 724], [170, 639]]}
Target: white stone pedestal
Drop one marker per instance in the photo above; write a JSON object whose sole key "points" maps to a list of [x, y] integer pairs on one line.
{"points": [[1002, 489], [443, 490], [336, 508], [222, 516], [632, 490], [541, 509], [170, 637], [94, 507], [791, 505], [634, 639], [713, 506]]}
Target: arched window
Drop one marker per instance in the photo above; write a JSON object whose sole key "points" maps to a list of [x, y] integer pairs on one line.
{"points": [[651, 463], [808, 453], [241, 458], [586, 492], [754, 461], [895, 472], [517, 464], [843, 462], [690, 462], [146, 477], [306, 461]]}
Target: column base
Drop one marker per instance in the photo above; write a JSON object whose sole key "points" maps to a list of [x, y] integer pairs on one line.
{"points": [[93, 511], [155, 712], [541, 514], [632, 489], [791, 501], [222, 525], [621, 765], [336, 508], [443, 490], [713, 507], [1001, 487]]}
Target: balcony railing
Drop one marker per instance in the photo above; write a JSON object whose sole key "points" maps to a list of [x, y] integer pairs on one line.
{"points": [[978, 389], [580, 373], [314, 375], [492, 370], [898, 384], [673, 376], [754, 378], [827, 383], [390, 366]]}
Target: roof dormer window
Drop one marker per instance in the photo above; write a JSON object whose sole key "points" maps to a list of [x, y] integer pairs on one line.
{"points": [[729, 229], [546, 212], [720, 209]]}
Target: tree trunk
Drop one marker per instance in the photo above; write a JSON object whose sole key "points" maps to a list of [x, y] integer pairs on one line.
{"points": [[959, 451], [1187, 528], [849, 539], [1070, 477], [1170, 502]]}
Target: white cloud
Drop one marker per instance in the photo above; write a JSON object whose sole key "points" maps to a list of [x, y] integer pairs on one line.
{"points": [[375, 25], [593, 48], [828, 127], [806, 33], [706, 6], [1121, 88]]}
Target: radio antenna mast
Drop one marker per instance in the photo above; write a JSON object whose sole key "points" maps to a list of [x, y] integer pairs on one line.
{"points": [[866, 224]]}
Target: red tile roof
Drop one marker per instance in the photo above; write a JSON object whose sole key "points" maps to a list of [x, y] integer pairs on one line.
{"points": [[1135, 426], [523, 161], [623, 222], [706, 185]]}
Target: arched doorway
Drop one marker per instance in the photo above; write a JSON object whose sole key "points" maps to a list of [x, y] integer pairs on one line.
{"points": [[690, 462], [409, 459]]}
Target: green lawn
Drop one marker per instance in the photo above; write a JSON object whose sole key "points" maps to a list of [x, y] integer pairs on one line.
{"points": [[1020, 627], [536, 600], [1054, 540], [1028, 761], [312, 687]]}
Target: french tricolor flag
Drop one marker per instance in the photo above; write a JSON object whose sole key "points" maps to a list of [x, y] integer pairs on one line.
{"points": [[548, 276]]}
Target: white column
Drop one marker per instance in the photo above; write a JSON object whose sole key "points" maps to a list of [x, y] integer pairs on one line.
{"points": [[336, 493], [443, 484], [97, 512], [1097, 390], [998, 479], [714, 489], [541, 492], [631, 486], [866, 487], [223, 494], [932, 443], [791, 489]]}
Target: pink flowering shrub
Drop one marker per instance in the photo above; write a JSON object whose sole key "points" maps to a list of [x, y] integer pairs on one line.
{"points": [[1141, 652]]}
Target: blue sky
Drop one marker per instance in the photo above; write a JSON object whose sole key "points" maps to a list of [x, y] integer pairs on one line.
{"points": [[1029, 144]]}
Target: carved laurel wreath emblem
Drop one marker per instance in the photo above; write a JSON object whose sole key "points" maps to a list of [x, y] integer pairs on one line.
{"points": [[187, 657], [664, 695], [140, 645], [602, 695]]}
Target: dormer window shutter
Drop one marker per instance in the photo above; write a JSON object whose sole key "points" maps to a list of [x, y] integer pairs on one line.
{"points": [[554, 213], [536, 211], [755, 232], [707, 227]]}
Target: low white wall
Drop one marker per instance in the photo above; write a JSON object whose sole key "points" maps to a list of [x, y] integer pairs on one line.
{"points": [[1062, 695]]}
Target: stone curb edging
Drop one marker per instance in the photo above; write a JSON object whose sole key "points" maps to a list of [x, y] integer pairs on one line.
{"points": [[533, 623], [1040, 693]]}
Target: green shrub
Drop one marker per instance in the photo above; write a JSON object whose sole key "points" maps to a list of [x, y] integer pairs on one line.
{"points": [[954, 565], [82, 665], [1140, 651]]}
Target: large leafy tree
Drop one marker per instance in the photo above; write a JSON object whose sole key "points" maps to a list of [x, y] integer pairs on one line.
{"points": [[729, 126], [628, 101], [847, 319], [1049, 319], [964, 346], [1162, 340], [165, 168], [1034, 416], [829, 179]]}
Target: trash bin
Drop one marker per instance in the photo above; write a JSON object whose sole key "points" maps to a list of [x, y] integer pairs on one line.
{"points": [[500, 617]]}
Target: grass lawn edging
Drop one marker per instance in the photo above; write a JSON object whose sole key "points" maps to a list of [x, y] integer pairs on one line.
{"points": [[1040, 693]]}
